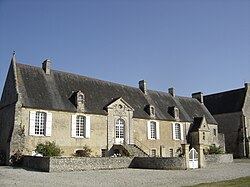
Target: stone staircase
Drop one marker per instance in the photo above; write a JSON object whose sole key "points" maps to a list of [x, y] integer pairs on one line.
{"points": [[134, 150]]}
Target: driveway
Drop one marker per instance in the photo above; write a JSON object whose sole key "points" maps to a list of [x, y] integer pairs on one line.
{"points": [[125, 177]]}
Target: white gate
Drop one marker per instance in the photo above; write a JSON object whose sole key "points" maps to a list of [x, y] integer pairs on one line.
{"points": [[193, 159]]}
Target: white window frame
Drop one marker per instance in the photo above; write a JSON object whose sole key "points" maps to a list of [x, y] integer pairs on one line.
{"points": [[37, 126], [75, 131], [181, 136], [157, 130]]}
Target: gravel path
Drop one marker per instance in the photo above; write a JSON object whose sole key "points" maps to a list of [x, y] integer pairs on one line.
{"points": [[125, 177]]}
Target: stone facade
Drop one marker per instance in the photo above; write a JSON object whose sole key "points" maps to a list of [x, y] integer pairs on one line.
{"points": [[40, 104]]}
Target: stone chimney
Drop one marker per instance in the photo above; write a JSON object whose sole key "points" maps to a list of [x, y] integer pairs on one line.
{"points": [[143, 86], [198, 96], [171, 91], [46, 66], [247, 86]]}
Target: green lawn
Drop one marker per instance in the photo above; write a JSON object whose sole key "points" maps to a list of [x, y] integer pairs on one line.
{"points": [[244, 181]]}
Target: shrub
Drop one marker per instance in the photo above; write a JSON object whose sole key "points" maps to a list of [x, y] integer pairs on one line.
{"points": [[48, 149], [16, 159], [85, 152], [213, 149]]}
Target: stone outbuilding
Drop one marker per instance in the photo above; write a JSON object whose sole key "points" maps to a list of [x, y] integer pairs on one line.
{"points": [[231, 109]]}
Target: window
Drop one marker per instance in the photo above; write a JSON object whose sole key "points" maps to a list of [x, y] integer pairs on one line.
{"points": [[153, 152], [215, 132], [80, 126], [153, 130], [203, 136], [81, 99], [178, 131], [103, 152], [152, 110], [119, 128], [171, 152], [40, 123]]}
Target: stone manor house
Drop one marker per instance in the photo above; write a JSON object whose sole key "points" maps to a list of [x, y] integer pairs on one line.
{"points": [[41, 104]]}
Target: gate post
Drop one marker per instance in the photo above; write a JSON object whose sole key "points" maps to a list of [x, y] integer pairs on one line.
{"points": [[185, 151], [201, 156]]}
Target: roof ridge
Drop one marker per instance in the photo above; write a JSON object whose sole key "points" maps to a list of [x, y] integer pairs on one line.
{"points": [[225, 92], [83, 76]]}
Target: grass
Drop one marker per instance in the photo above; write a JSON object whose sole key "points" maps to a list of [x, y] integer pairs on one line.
{"points": [[240, 182]]}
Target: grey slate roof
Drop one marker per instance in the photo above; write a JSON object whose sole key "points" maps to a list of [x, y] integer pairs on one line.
{"points": [[52, 92], [225, 102]]}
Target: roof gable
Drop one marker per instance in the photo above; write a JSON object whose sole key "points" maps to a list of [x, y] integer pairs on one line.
{"points": [[118, 103], [200, 124]]}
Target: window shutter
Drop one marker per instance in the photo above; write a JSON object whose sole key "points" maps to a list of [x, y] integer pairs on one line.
{"points": [[173, 128], [48, 124], [182, 133], [157, 130], [87, 127], [73, 126], [149, 130], [32, 123]]}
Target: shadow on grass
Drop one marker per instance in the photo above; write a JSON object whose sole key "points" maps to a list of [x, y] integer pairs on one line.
{"points": [[239, 182]]}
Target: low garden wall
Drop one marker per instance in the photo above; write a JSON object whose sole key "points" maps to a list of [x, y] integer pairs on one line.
{"points": [[170, 163], [56, 164], [36, 163], [218, 158]]}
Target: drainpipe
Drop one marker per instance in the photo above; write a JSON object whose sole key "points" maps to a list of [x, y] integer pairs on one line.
{"points": [[244, 135]]}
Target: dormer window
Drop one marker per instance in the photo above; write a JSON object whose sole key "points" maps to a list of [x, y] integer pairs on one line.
{"points": [[80, 99], [174, 112], [150, 109]]}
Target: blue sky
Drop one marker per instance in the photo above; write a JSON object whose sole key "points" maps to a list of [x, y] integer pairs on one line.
{"points": [[191, 45]]}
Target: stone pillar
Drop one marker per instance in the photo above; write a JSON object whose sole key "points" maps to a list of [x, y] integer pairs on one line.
{"points": [[201, 161], [185, 152]]}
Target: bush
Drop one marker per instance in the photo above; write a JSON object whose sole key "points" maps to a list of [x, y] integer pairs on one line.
{"points": [[85, 152], [16, 159], [48, 149], [213, 149]]}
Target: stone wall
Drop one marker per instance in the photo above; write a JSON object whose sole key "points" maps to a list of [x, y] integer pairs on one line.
{"points": [[37, 163], [159, 163], [218, 158], [57, 164]]}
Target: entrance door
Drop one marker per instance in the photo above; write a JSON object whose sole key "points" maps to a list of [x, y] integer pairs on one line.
{"points": [[193, 159], [119, 131]]}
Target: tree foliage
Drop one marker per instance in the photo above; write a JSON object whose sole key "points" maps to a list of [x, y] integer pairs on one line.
{"points": [[213, 149], [85, 152]]}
